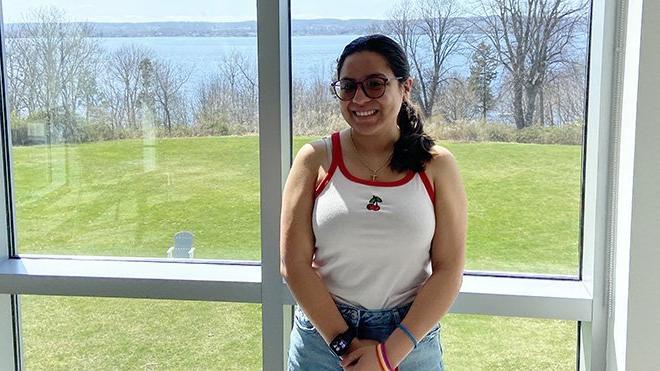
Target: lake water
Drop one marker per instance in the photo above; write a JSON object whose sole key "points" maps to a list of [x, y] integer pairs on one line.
{"points": [[311, 56]]}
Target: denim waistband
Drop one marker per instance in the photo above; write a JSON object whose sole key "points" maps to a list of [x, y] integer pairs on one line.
{"points": [[360, 316]]}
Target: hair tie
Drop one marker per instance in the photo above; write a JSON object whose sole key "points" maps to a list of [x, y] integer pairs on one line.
{"points": [[408, 333]]}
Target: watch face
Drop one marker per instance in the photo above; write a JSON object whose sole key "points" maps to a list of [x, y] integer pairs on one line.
{"points": [[340, 344]]}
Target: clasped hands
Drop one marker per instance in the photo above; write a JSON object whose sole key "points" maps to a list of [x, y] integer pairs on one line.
{"points": [[361, 356]]}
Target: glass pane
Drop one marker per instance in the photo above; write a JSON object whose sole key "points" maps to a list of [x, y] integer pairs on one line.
{"points": [[516, 129], [476, 342], [76, 333], [133, 122]]}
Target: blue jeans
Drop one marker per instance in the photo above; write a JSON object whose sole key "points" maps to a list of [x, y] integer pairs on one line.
{"points": [[309, 352]]}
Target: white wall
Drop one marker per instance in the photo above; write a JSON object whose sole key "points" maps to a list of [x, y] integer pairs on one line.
{"points": [[635, 334]]}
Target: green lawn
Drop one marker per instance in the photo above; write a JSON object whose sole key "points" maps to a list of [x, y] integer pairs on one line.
{"points": [[122, 198]]}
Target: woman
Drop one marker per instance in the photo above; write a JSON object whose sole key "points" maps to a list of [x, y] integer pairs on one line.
{"points": [[373, 226]]}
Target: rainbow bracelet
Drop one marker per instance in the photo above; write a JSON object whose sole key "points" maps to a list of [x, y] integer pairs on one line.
{"points": [[381, 354], [408, 333], [381, 361]]}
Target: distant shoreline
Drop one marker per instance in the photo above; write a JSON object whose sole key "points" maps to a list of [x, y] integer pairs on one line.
{"points": [[314, 27], [299, 27]]}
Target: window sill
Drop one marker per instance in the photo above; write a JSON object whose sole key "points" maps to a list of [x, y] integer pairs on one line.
{"points": [[240, 281], [121, 277]]}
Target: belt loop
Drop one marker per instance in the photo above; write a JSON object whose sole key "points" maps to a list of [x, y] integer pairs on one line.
{"points": [[397, 316]]}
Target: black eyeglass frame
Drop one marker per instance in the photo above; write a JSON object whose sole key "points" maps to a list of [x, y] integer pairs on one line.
{"points": [[337, 84]]}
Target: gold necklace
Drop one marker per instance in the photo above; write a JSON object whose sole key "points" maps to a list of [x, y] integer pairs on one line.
{"points": [[374, 173]]}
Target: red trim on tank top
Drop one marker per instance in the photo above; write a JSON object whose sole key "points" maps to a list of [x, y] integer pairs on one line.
{"points": [[427, 185], [338, 161], [336, 151]]}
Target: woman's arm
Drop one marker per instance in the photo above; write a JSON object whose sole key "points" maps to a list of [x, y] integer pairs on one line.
{"points": [[447, 257], [297, 243]]}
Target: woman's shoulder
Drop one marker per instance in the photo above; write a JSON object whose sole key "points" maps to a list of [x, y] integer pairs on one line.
{"points": [[442, 163], [441, 156], [314, 154]]}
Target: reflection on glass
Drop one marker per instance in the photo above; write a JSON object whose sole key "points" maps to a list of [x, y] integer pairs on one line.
{"points": [[74, 333], [129, 127]]}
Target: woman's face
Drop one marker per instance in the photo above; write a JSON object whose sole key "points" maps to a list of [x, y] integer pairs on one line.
{"points": [[368, 116]]}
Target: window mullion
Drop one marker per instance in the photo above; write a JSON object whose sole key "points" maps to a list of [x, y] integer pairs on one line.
{"points": [[275, 159], [599, 168], [10, 340]]}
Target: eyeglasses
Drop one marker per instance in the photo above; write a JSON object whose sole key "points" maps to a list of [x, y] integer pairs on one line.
{"points": [[373, 87]]}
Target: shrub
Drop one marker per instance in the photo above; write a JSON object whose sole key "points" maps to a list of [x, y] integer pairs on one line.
{"points": [[499, 133], [532, 134], [472, 131]]}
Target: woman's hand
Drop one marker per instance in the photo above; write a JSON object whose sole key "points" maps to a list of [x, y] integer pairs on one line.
{"points": [[362, 357], [358, 343]]}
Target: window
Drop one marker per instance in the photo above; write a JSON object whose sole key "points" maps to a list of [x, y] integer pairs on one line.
{"points": [[521, 161], [145, 129]]}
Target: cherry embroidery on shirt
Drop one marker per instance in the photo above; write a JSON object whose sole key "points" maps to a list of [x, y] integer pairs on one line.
{"points": [[373, 203]]}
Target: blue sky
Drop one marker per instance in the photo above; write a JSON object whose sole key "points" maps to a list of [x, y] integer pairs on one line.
{"points": [[192, 10]]}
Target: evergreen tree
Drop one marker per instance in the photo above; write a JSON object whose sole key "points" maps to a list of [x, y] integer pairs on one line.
{"points": [[482, 73]]}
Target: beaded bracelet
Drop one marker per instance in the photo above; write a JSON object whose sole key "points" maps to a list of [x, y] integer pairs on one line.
{"points": [[408, 333]]}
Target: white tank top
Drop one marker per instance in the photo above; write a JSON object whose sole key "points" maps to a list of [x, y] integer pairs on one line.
{"points": [[373, 239]]}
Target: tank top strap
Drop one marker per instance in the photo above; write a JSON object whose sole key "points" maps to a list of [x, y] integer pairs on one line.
{"points": [[336, 155], [428, 185], [336, 149]]}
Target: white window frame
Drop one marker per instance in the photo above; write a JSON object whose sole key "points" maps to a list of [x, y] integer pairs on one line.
{"points": [[583, 300]]}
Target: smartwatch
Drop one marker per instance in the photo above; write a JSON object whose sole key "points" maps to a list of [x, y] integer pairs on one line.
{"points": [[339, 345]]}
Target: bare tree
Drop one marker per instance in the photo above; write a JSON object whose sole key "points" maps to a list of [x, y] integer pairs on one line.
{"points": [[401, 23], [238, 75], [124, 84], [52, 67], [439, 27], [20, 76], [211, 104], [430, 33], [227, 101], [530, 36], [564, 92], [167, 84], [457, 100]]}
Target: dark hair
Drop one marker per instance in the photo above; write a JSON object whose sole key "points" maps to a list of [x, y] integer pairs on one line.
{"points": [[413, 149]]}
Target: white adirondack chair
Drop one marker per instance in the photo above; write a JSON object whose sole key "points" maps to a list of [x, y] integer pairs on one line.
{"points": [[183, 246]]}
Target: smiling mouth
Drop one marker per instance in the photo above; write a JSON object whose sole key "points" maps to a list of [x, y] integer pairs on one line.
{"points": [[365, 113]]}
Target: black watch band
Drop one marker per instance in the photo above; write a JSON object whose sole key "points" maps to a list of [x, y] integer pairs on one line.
{"points": [[339, 345]]}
